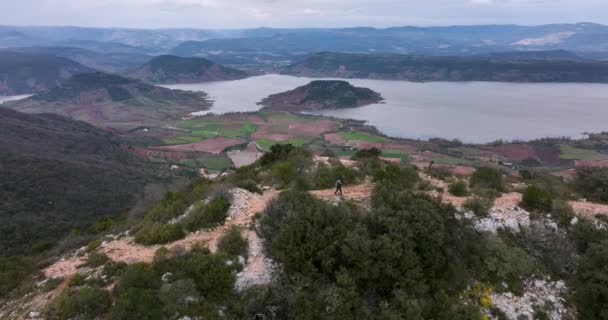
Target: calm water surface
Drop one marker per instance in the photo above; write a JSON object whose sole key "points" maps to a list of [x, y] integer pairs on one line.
{"points": [[471, 111]]}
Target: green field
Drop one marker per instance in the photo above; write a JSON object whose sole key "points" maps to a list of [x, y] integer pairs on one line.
{"points": [[203, 129], [361, 136], [389, 153], [572, 153], [266, 144]]}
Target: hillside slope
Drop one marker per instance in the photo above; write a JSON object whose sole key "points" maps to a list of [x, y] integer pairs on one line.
{"points": [[111, 62], [434, 68], [22, 73], [320, 95], [115, 102], [169, 69], [59, 174]]}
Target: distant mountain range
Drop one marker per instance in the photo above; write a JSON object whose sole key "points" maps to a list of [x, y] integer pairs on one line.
{"points": [[321, 95], [29, 73], [588, 39], [169, 69], [112, 101], [549, 67], [59, 174]]}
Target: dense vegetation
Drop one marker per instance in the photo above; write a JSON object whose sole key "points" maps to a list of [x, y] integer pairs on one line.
{"points": [[172, 69], [592, 183], [23, 73], [446, 68], [319, 95]]}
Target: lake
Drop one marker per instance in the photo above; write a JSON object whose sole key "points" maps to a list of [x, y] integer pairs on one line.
{"points": [[474, 112]]}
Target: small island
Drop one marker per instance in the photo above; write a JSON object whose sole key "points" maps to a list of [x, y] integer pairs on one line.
{"points": [[321, 95]]}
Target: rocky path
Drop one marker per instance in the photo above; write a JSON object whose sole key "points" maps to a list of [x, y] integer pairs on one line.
{"points": [[243, 209], [359, 193]]}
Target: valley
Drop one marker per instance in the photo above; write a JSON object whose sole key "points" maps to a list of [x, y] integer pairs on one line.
{"points": [[414, 173]]}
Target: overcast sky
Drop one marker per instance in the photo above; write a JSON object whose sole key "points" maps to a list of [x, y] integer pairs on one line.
{"points": [[297, 13]]}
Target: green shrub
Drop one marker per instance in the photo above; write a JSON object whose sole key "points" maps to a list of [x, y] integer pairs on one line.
{"points": [[479, 206], [179, 296], [249, 185], [592, 183], [459, 188], [208, 215], [367, 153], [278, 152], [440, 173], [591, 286], [114, 268], [173, 205], [138, 275], [81, 303], [137, 303], [102, 225], [157, 233], [284, 172], [13, 270], [93, 245], [563, 212], [77, 280], [51, 284], [96, 259], [326, 176], [213, 278], [536, 198], [396, 177], [487, 178], [232, 243]]}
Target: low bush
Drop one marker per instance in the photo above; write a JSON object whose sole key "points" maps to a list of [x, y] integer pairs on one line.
{"points": [[326, 176], [284, 173], [249, 185], [137, 303], [81, 303], [479, 206], [536, 198], [367, 153], [592, 183], [178, 297], [440, 173], [459, 188], [213, 278], [96, 259], [232, 243], [562, 212], [487, 178], [138, 275], [591, 284], [114, 268], [396, 177], [158, 233], [208, 215], [77, 280]]}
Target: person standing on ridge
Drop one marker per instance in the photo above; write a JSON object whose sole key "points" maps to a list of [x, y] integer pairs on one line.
{"points": [[339, 187]]}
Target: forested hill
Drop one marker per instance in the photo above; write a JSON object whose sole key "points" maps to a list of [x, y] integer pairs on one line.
{"points": [[172, 69], [22, 73], [113, 101], [59, 174], [438, 68], [320, 95]]}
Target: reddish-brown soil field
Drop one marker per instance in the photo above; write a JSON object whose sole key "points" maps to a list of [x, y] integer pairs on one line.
{"points": [[214, 145], [160, 153], [260, 134], [334, 138], [591, 163], [550, 155], [514, 152], [313, 128]]}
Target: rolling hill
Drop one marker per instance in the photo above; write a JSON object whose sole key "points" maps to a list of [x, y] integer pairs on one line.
{"points": [[22, 73], [113, 101], [59, 174], [321, 95], [112, 62], [169, 69], [437, 68]]}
